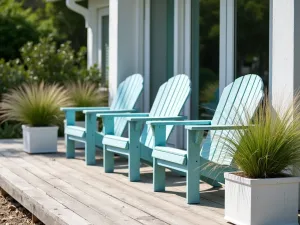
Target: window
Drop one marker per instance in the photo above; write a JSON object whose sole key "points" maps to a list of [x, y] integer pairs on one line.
{"points": [[252, 38], [207, 42]]}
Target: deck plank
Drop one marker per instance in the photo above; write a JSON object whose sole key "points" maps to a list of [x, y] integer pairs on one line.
{"points": [[206, 209], [82, 210], [212, 201], [36, 201], [107, 206], [114, 189], [99, 198]]}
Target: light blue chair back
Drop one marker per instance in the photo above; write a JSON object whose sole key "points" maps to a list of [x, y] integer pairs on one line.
{"points": [[168, 102], [238, 103], [127, 95]]}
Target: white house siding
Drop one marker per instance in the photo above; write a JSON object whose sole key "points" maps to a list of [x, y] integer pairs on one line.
{"points": [[284, 50], [126, 41]]}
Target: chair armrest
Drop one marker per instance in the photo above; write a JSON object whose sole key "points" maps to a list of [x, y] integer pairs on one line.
{"points": [[141, 119], [109, 111], [179, 123], [108, 119], [78, 109], [215, 127], [120, 114]]}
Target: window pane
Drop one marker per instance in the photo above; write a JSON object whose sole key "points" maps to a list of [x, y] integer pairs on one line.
{"points": [[209, 25], [252, 38]]}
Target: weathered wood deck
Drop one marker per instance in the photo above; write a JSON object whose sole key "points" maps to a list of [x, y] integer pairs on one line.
{"points": [[66, 191]]}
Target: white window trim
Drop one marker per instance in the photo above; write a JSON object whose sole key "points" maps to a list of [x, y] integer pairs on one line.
{"points": [[227, 43], [101, 12], [147, 22]]}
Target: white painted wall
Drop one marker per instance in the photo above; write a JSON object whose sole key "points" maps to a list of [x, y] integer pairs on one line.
{"points": [[94, 34], [92, 38], [126, 41], [284, 50]]}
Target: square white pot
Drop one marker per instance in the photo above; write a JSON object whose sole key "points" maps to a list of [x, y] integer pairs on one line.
{"points": [[81, 145], [261, 201], [296, 173], [40, 139]]}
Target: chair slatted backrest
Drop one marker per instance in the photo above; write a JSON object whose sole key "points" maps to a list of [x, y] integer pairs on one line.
{"points": [[238, 103], [127, 95], [169, 101]]}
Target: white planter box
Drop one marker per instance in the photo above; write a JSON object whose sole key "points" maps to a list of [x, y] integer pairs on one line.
{"points": [[81, 145], [296, 172], [261, 201], [40, 139]]}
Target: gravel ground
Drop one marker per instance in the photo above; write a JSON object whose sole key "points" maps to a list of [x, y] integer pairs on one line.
{"points": [[12, 213]]}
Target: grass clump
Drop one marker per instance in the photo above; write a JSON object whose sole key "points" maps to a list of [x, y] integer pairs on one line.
{"points": [[271, 143], [85, 94], [36, 104]]}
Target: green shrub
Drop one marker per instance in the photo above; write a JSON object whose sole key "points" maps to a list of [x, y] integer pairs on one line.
{"points": [[14, 33], [45, 61], [35, 104], [270, 144], [12, 74], [10, 130]]}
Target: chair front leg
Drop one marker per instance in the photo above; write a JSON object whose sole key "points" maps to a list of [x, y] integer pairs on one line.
{"points": [[159, 172], [159, 177], [108, 157], [70, 144], [90, 145], [70, 147], [134, 158], [194, 139], [108, 160]]}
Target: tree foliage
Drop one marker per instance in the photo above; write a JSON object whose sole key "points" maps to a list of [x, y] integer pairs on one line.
{"points": [[27, 20], [14, 33]]}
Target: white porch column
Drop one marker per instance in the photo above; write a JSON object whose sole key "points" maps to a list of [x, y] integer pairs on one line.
{"points": [[227, 43], [126, 41], [92, 38], [284, 50]]}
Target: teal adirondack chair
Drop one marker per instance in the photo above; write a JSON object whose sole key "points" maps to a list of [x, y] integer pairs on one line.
{"points": [[125, 100], [168, 104], [238, 102]]}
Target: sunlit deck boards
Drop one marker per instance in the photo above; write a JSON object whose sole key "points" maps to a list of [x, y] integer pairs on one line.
{"points": [[66, 191]]}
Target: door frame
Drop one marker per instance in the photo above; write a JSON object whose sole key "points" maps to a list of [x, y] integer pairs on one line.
{"points": [[227, 43], [226, 54], [104, 11], [147, 49]]}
